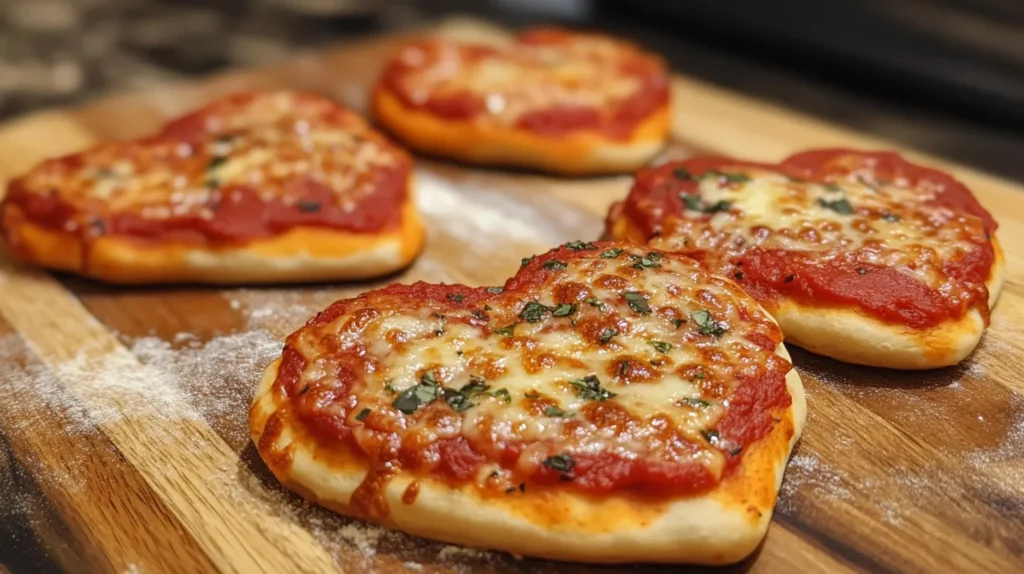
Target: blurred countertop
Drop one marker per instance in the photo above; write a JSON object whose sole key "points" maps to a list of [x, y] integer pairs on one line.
{"points": [[63, 52]]}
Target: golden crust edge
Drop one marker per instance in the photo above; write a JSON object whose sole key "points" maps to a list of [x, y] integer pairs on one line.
{"points": [[709, 529], [302, 254], [579, 153]]}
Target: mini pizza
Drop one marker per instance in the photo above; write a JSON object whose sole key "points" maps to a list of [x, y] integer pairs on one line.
{"points": [[860, 256], [546, 99], [254, 188], [610, 403]]}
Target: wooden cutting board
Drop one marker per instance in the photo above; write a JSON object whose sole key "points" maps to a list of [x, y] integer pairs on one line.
{"points": [[124, 410]]}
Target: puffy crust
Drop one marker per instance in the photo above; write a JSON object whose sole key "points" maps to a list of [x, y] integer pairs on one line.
{"points": [[721, 527], [301, 254], [578, 153], [853, 337]]}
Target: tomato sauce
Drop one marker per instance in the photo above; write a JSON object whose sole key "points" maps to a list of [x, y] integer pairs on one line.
{"points": [[656, 199]]}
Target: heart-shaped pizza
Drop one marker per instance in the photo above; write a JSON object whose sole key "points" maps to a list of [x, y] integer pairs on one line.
{"points": [[256, 187], [860, 256], [547, 99], [609, 403]]}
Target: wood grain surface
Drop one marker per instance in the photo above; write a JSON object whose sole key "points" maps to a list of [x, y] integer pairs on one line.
{"points": [[125, 409]]}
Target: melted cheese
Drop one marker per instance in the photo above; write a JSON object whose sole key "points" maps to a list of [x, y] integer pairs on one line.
{"points": [[886, 224], [676, 382], [520, 78], [277, 143]]}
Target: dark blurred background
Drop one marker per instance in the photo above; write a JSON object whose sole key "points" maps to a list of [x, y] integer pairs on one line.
{"points": [[945, 76]]}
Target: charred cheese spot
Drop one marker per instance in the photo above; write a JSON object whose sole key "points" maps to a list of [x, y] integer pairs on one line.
{"points": [[549, 404]]}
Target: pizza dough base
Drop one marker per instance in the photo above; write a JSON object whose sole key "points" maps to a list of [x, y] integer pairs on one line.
{"points": [[302, 254], [577, 153], [851, 336], [720, 527]]}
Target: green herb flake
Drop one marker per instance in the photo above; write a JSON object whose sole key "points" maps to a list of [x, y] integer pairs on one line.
{"points": [[736, 451], [607, 335], [595, 303], [560, 462], [305, 389], [527, 260], [645, 262], [390, 387], [840, 206], [553, 411], [695, 203], [495, 290], [589, 389], [554, 265], [696, 402], [216, 162], [476, 386], [479, 314], [738, 275], [677, 322], [706, 324], [456, 400], [661, 346], [507, 331], [862, 271], [362, 415], [682, 174], [309, 206], [710, 435], [487, 307], [531, 395], [891, 217], [444, 321], [455, 297], [580, 246], [611, 253], [637, 302], [534, 312], [699, 375], [564, 310], [623, 368], [418, 395], [835, 188], [502, 394]]}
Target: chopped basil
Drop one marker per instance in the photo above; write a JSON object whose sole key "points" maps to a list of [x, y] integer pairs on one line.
{"points": [[531, 395], [456, 400], [580, 246], [507, 331], [595, 303], [589, 389], [455, 297], [305, 389], [637, 302], [706, 324], [698, 375], [696, 403], [695, 203], [510, 490], [839, 206], [553, 411], [475, 386], [834, 187], [479, 314], [651, 260], [736, 451], [362, 415], [710, 435], [309, 206], [444, 321], [607, 334], [891, 217], [862, 271], [527, 260], [216, 162], [495, 290], [677, 322], [623, 368], [554, 264], [738, 275], [611, 253], [789, 278], [661, 346], [564, 310], [503, 395], [389, 386], [534, 312], [418, 395], [487, 307], [560, 462], [682, 174], [522, 487], [735, 177]]}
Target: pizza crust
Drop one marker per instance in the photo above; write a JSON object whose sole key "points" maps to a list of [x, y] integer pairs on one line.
{"points": [[577, 153], [720, 527], [852, 337], [302, 254]]}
